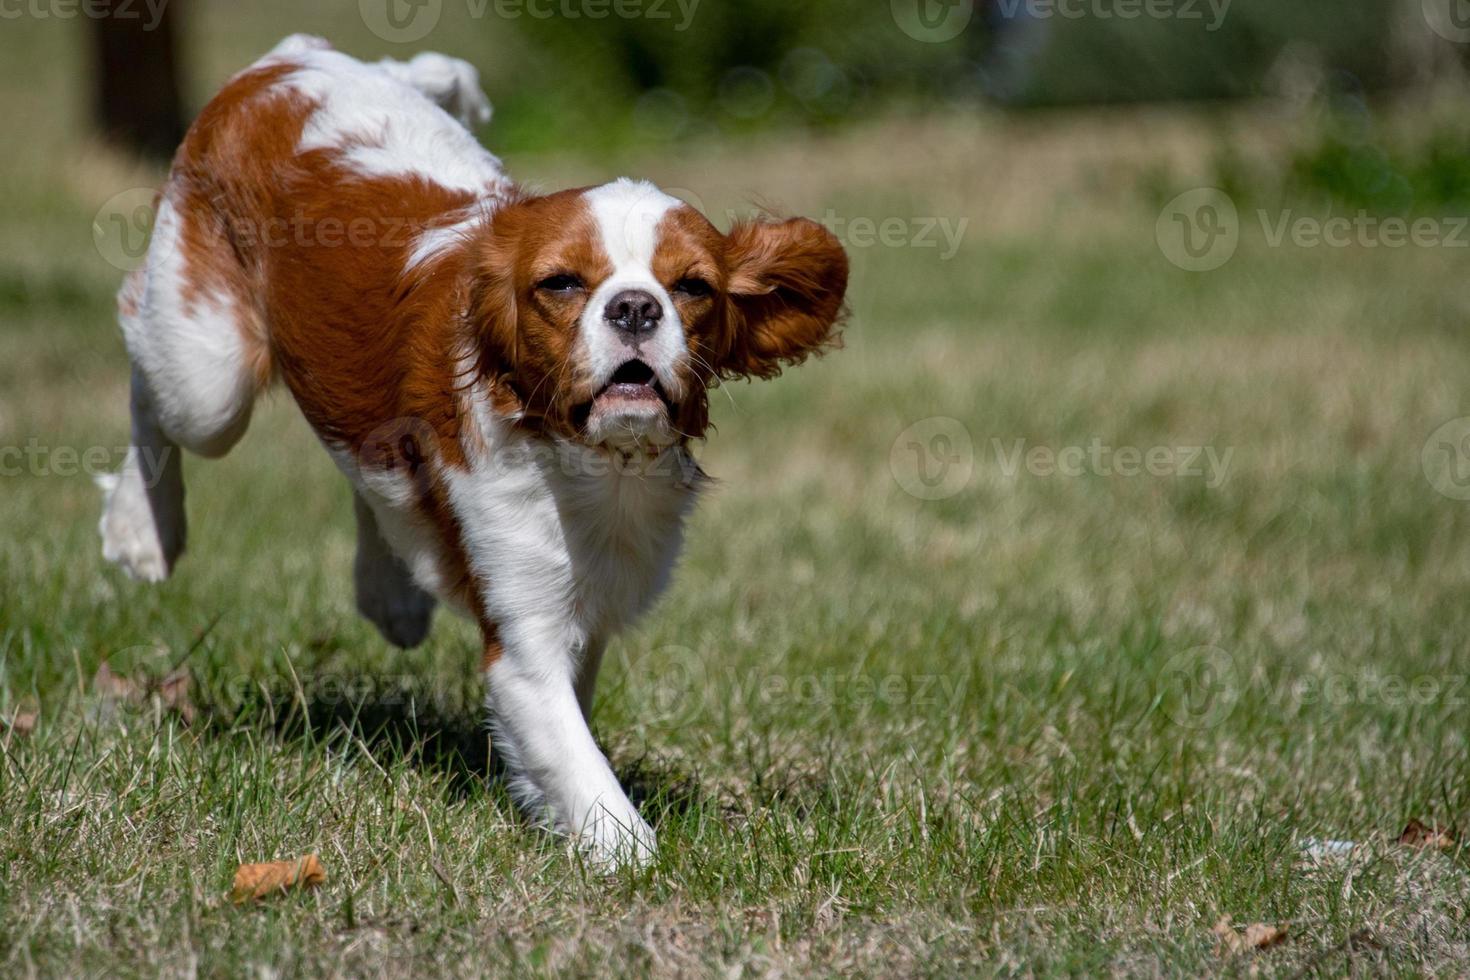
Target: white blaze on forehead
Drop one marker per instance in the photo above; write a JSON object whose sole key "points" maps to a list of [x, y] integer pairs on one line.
{"points": [[628, 213]]}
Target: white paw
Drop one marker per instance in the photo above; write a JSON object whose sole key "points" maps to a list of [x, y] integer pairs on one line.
{"points": [[131, 537], [613, 841]]}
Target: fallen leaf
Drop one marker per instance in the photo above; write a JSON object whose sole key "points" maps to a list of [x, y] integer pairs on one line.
{"points": [[1418, 834], [253, 881], [1257, 935], [174, 691], [111, 684], [22, 722]]}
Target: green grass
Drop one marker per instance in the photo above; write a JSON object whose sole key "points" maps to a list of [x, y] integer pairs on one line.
{"points": [[877, 734]]}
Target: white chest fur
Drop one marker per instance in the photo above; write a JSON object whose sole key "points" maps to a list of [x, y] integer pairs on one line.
{"points": [[569, 543]]}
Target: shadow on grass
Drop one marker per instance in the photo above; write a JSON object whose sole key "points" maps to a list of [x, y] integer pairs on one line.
{"points": [[442, 736]]}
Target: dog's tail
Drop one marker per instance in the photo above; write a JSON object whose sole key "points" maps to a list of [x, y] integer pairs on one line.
{"points": [[452, 83]]}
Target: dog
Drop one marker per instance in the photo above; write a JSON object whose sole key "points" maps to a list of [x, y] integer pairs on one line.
{"points": [[512, 382]]}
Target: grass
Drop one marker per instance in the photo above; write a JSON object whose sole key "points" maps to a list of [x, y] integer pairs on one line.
{"points": [[1046, 724]]}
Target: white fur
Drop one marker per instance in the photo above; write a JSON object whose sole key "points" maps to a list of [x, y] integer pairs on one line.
{"points": [[571, 546], [434, 242], [394, 111], [452, 83], [628, 213], [191, 387], [142, 526]]}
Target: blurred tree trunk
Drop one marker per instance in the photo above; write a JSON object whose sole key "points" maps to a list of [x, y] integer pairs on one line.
{"points": [[135, 79]]}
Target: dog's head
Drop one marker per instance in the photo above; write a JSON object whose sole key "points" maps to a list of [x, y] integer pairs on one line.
{"points": [[608, 312]]}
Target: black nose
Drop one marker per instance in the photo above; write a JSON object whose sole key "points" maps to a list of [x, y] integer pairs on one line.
{"points": [[634, 312]]}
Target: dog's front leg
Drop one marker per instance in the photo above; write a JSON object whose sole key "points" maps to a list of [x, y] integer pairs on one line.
{"points": [[556, 770]]}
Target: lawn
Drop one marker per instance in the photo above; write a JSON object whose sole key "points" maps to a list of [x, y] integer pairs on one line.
{"points": [[1079, 603]]}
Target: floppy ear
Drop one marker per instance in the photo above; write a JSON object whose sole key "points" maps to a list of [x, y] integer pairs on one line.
{"points": [[786, 285]]}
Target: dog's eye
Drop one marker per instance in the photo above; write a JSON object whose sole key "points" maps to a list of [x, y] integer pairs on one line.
{"points": [[562, 282], [691, 286]]}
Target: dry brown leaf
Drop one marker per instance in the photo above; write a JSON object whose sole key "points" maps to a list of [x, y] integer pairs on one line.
{"points": [[253, 881], [1422, 835], [115, 686], [22, 722], [1257, 935], [174, 691]]}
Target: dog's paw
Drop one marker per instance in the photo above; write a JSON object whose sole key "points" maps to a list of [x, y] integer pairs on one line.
{"points": [[400, 610], [614, 842], [131, 536]]}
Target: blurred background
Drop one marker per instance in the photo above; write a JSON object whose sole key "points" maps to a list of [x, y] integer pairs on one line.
{"points": [[1353, 89], [1153, 409]]}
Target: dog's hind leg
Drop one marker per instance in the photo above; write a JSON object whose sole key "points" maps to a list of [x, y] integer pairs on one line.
{"points": [[197, 365], [386, 592]]}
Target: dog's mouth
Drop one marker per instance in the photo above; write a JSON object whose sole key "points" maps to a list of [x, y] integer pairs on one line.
{"points": [[632, 384], [633, 392]]}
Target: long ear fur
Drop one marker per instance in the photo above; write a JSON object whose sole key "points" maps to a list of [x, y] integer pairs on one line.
{"points": [[787, 283]]}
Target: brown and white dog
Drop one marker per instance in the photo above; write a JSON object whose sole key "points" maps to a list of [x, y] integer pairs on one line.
{"points": [[510, 381]]}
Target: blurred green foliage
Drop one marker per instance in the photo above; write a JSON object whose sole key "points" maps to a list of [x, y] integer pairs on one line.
{"points": [[1205, 49], [1431, 176], [706, 67], [725, 67]]}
